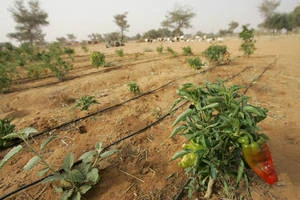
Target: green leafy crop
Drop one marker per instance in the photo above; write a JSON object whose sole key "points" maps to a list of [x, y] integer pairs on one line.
{"points": [[85, 102], [5, 128], [217, 54], [120, 52], [97, 58], [133, 87], [195, 62], [187, 51], [160, 49], [213, 125], [248, 45]]}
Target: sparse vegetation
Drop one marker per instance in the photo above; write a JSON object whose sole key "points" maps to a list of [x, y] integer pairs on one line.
{"points": [[248, 45], [217, 54], [97, 58], [171, 51], [5, 128], [85, 102], [119, 52], [160, 49], [133, 87], [187, 51], [195, 62]]}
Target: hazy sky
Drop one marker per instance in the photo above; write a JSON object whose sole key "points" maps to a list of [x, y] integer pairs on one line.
{"points": [[96, 16]]}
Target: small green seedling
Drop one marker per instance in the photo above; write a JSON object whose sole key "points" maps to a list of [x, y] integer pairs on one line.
{"points": [[133, 87], [195, 62], [97, 59], [85, 102]]}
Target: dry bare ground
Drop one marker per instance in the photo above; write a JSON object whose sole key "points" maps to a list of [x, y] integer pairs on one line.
{"points": [[140, 169]]}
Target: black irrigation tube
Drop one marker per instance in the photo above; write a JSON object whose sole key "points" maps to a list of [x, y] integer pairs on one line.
{"points": [[180, 193], [111, 107], [105, 70], [128, 136], [76, 70]]}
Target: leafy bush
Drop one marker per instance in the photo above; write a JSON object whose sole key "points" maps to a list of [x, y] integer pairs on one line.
{"points": [[97, 58], [73, 181], [85, 102], [217, 54], [215, 126], [5, 76], [171, 51], [120, 52], [187, 51], [35, 70], [5, 128], [195, 62], [160, 49], [133, 87], [248, 45]]}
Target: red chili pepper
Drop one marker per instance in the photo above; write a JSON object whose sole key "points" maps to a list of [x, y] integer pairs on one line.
{"points": [[258, 157]]}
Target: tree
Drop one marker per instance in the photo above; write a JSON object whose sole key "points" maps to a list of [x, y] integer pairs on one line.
{"points": [[71, 37], [113, 36], [232, 25], [178, 19], [295, 17], [268, 7], [95, 37], [121, 21], [279, 21], [61, 40], [29, 22]]}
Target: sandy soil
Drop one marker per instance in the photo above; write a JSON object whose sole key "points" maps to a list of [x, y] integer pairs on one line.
{"points": [[141, 168]]}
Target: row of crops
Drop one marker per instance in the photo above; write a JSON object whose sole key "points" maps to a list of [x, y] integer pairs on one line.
{"points": [[220, 127]]}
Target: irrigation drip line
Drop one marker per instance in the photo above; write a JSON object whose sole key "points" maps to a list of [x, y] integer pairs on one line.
{"points": [[109, 108], [77, 69], [180, 193], [131, 134], [105, 70]]}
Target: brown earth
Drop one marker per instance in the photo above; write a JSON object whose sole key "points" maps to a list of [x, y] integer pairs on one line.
{"points": [[140, 169]]}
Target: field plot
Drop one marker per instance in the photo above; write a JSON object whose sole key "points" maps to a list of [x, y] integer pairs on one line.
{"points": [[140, 170]]}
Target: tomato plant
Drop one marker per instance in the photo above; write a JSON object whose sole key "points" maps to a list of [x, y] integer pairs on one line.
{"points": [[217, 54], [221, 129]]}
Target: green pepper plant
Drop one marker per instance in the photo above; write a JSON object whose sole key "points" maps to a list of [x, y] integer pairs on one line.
{"points": [[220, 126]]}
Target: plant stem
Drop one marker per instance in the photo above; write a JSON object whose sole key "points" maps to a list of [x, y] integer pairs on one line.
{"points": [[38, 155], [209, 188]]}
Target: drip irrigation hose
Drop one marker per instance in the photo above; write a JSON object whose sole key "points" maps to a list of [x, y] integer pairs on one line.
{"points": [[178, 196]]}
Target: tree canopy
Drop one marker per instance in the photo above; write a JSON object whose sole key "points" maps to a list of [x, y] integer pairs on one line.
{"points": [[178, 19], [122, 23], [29, 21], [267, 7]]}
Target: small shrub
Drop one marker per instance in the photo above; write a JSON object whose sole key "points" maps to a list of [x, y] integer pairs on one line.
{"points": [[217, 54], [171, 51], [160, 49], [187, 51], [73, 181], [85, 102], [195, 62], [248, 45], [35, 70], [133, 87], [5, 128], [97, 58], [120, 52], [5, 76]]}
